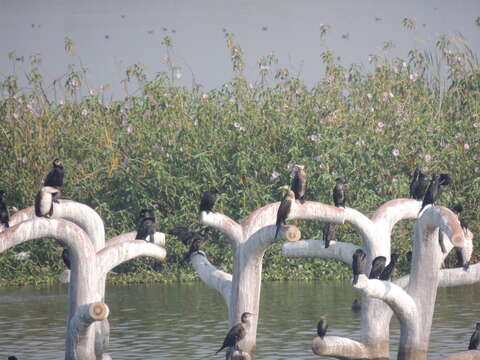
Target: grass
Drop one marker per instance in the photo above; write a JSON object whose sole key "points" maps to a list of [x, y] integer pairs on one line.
{"points": [[167, 145]]}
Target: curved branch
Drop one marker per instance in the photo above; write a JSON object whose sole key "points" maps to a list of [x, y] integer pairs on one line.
{"points": [[463, 355], [396, 210], [79, 339], [80, 214], [224, 224], [459, 276], [210, 275], [159, 238], [316, 249], [399, 301], [118, 253], [345, 348], [446, 220]]}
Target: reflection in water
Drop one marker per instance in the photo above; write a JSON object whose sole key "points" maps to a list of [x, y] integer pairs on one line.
{"points": [[189, 320]]}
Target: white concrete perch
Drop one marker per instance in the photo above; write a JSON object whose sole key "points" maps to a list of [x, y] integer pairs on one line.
{"points": [[91, 260]]}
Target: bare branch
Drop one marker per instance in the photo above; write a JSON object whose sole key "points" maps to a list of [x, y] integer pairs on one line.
{"points": [[316, 249], [399, 301], [159, 238], [224, 224], [213, 277], [345, 348], [463, 355], [122, 251], [80, 214]]}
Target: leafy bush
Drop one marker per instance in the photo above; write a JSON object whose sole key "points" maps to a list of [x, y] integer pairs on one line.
{"points": [[167, 145]]}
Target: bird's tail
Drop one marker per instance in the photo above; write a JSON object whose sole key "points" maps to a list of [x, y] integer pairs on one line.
{"points": [[276, 233], [219, 350], [355, 279]]}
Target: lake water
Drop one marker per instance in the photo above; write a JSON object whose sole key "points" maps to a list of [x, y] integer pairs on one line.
{"points": [[110, 35], [188, 321]]}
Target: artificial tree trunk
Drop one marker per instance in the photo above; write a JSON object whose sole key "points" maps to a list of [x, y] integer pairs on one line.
{"points": [[376, 314], [255, 235], [97, 257]]}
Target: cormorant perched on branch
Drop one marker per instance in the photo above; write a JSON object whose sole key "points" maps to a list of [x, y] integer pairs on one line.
{"points": [[457, 209], [299, 183], [284, 208], [378, 265], [196, 240], [55, 176], [329, 231], [187, 236], [208, 200], [390, 268], [66, 258], [443, 180], [146, 225], [475, 338], [432, 192], [418, 185], [44, 201], [340, 192], [358, 264], [322, 327], [237, 332], [4, 213]]}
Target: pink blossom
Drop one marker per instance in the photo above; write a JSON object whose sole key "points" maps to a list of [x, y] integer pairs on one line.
{"points": [[204, 96], [274, 175], [466, 146], [427, 158], [129, 129], [251, 85], [92, 92], [396, 152], [236, 124], [241, 128], [413, 76], [290, 166], [61, 102]]}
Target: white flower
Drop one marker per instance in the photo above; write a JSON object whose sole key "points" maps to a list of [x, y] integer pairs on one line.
{"points": [[413, 76], [24, 255], [396, 152]]}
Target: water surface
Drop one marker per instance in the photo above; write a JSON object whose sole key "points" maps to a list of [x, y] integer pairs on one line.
{"points": [[180, 321]]}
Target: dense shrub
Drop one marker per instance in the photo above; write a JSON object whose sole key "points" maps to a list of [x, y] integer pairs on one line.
{"points": [[167, 145]]}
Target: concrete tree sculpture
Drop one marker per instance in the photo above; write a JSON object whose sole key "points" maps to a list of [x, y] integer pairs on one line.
{"points": [[379, 297], [81, 229], [251, 238]]}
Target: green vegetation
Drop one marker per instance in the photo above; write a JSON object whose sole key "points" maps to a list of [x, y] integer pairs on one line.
{"points": [[169, 144]]}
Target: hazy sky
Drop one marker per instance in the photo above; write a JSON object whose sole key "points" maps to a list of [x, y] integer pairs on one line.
{"points": [[110, 35]]}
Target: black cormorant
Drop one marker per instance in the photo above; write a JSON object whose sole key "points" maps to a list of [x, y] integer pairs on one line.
{"points": [[284, 208], [390, 268], [329, 230], [146, 225], [4, 213], [237, 332], [55, 176], [378, 265], [195, 241], [457, 209], [66, 258], [12, 358], [44, 201], [322, 327], [409, 256], [441, 242], [208, 200], [299, 183], [418, 185], [432, 192], [358, 264], [340, 192], [475, 338], [443, 180]]}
